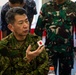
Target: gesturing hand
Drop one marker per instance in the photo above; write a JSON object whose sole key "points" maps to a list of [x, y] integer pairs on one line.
{"points": [[32, 54]]}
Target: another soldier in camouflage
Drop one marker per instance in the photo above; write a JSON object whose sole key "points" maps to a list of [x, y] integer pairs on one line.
{"points": [[19, 52], [58, 18]]}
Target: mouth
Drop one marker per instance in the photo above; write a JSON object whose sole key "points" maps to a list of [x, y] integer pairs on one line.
{"points": [[25, 31]]}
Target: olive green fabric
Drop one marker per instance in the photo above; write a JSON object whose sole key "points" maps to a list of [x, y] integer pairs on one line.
{"points": [[58, 21], [12, 53]]}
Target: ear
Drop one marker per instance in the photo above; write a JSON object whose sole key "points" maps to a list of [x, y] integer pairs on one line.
{"points": [[10, 27]]}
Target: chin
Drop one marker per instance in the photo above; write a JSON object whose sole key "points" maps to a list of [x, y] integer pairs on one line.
{"points": [[25, 34]]}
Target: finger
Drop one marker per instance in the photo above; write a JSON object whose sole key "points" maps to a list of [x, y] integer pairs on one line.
{"points": [[40, 49], [29, 48]]}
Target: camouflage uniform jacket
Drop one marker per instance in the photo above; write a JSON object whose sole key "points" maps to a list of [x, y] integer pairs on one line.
{"points": [[58, 21], [12, 54]]}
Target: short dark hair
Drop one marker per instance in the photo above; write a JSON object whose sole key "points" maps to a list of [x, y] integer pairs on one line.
{"points": [[12, 12], [16, 1]]}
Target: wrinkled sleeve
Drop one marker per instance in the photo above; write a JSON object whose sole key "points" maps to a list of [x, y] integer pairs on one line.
{"points": [[4, 61], [3, 47], [3, 43], [40, 22]]}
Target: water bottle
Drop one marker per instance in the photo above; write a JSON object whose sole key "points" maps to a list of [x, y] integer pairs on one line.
{"points": [[51, 71]]}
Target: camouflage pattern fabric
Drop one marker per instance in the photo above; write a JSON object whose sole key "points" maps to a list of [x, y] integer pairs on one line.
{"points": [[58, 21], [12, 53]]}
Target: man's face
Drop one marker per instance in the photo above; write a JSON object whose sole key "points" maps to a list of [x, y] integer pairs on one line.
{"points": [[21, 25]]}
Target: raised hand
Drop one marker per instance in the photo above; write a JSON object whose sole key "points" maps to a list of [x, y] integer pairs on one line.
{"points": [[32, 54]]}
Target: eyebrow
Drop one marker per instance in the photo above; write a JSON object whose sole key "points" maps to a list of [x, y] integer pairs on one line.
{"points": [[23, 20]]}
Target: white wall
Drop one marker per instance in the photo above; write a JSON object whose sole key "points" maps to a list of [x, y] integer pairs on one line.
{"points": [[2, 2], [73, 0], [38, 6]]}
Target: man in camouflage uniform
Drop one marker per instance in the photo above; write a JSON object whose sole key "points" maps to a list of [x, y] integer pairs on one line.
{"points": [[58, 18], [19, 51]]}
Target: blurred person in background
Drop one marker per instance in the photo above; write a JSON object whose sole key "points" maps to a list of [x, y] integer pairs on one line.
{"points": [[58, 18], [31, 11]]}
